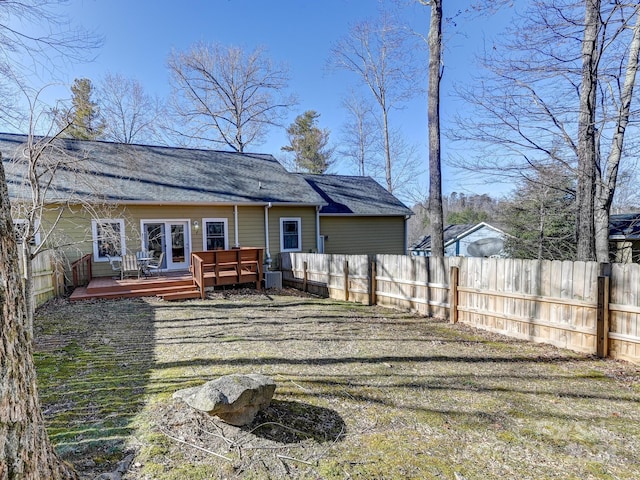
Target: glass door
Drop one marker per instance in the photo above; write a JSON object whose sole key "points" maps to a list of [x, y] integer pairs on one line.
{"points": [[170, 237], [179, 255]]}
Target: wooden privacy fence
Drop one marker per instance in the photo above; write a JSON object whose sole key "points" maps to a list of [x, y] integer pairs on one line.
{"points": [[48, 276], [583, 306]]}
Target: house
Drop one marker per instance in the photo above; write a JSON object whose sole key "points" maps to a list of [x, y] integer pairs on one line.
{"points": [[624, 237], [359, 216], [108, 199], [467, 240]]}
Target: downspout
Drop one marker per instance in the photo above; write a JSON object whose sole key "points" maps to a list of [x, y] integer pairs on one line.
{"points": [[318, 230], [235, 222], [267, 254]]}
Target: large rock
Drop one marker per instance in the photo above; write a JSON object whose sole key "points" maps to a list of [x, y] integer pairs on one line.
{"points": [[235, 399]]}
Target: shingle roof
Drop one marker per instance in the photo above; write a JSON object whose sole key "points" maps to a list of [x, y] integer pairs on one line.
{"points": [[150, 174], [625, 225], [355, 195], [450, 232]]}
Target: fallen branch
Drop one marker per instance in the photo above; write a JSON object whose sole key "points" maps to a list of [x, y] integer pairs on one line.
{"points": [[300, 386], [241, 439], [335, 440], [284, 457], [196, 446]]}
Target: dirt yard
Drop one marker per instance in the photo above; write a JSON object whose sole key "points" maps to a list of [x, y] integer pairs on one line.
{"points": [[363, 392]]}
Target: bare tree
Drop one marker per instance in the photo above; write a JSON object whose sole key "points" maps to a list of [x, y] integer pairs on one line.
{"points": [[35, 169], [627, 196], [130, 114], [57, 41], [408, 165], [435, 167], [379, 54], [538, 105], [359, 134], [25, 448], [587, 161], [225, 96], [607, 178]]}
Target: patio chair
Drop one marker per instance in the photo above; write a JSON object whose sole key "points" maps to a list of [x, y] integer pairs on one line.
{"points": [[144, 257], [116, 265], [130, 266], [156, 264]]}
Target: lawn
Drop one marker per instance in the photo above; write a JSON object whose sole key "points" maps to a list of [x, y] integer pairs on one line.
{"points": [[363, 392]]}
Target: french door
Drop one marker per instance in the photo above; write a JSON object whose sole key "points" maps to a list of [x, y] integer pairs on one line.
{"points": [[172, 238]]}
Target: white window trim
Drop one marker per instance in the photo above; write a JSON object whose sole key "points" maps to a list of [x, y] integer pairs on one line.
{"points": [[94, 233], [36, 237], [291, 219], [204, 231]]}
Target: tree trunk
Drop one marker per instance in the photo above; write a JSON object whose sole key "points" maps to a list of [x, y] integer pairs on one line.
{"points": [[25, 449], [587, 154], [605, 187], [435, 170], [387, 148]]}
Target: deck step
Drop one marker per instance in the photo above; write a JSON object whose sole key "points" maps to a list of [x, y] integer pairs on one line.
{"points": [[183, 295], [97, 288], [139, 289]]}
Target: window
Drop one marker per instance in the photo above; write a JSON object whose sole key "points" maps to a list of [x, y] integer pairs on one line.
{"points": [[108, 239], [290, 235], [214, 235], [20, 227]]}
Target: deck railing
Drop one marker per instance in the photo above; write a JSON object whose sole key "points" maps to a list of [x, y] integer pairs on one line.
{"points": [[81, 270], [226, 267]]}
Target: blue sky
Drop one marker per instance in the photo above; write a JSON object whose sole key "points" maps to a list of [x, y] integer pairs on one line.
{"points": [[139, 34]]}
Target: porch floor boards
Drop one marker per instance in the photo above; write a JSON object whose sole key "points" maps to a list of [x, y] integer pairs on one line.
{"points": [[167, 283]]}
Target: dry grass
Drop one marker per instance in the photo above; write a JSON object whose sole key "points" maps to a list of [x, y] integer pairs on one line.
{"points": [[363, 392]]}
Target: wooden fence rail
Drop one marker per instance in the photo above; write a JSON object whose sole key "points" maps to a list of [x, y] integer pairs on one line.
{"points": [[583, 306]]}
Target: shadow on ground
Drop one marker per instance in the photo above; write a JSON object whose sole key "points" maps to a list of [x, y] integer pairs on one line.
{"points": [[294, 422], [93, 361]]}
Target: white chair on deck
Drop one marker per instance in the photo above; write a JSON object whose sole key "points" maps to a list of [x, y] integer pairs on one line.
{"points": [[130, 266], [156, 264], [116, 265]]}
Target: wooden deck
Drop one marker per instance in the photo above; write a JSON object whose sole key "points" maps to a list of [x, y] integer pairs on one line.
{"points": [[208, 269], [171, 286]]}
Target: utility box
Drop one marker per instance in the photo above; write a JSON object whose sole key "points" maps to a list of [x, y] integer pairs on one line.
{"points": [[272, 279]]}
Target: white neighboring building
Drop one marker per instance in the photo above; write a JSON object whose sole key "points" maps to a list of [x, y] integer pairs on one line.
{"points": [[467, 240]]}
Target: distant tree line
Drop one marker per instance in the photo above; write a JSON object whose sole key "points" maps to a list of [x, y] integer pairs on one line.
{"points": [[538, 215]]}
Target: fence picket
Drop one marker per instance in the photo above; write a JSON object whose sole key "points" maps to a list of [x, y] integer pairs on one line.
{"points": [[543, 301]]}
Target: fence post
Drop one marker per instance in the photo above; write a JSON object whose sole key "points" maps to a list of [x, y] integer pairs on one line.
{"points": [[602, 344], [345, 270], [454, 275], [304, 276], [372, 283]]}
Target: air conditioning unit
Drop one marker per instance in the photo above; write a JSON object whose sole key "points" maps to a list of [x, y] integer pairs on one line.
{"points": [[273, 280]]}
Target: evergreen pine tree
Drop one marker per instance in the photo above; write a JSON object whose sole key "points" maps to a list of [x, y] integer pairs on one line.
{"points": [[308, 143], [84, 120]]}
